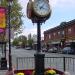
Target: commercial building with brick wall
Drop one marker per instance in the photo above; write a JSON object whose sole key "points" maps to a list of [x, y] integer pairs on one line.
{"points": [[62, 35]]}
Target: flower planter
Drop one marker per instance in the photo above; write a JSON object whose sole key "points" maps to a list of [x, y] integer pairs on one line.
{"points": [[48, 71]]}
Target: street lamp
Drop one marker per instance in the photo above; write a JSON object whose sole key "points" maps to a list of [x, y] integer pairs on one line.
{"points": [[9, 9]]}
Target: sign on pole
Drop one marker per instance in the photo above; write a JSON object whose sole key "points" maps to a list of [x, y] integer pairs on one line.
{"points": [[2, 17]]}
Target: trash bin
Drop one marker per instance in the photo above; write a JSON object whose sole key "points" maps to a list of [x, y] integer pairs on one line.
{"points": [[3, 63]]}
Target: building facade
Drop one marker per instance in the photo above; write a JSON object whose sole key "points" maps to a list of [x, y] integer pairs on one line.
{"points": [[64, 34]]}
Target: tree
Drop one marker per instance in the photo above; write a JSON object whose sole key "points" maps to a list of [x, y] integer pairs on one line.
{"points": [[30, 42], [15, 42], [21, 40], [16, 14]]}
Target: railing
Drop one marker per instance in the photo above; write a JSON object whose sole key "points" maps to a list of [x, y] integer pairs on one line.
{"points": [[25, 63], [60, 63]]}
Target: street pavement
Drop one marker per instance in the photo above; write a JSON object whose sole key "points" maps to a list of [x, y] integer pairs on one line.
{"points": [[3, 72], [27, 53]]}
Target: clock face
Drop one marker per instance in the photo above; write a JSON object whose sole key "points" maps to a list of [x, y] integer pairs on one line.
{"points": [[41, 8]]}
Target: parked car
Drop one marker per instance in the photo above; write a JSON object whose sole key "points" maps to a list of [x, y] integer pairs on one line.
{"points": [[68, 50], [28, 48], [17, 47], [53, 50], [50, 50], [44, 50]]}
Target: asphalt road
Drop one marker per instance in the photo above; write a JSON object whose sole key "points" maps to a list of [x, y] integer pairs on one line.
{"points": [[30, 53]]}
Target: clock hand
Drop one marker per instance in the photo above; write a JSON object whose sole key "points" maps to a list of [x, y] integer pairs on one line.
{"points": [[41, 6]]}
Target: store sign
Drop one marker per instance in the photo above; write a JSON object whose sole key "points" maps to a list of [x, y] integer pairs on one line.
{"points": [[2, 17]]}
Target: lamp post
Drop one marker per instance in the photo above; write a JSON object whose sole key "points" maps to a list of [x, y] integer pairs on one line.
{"points": [[10, 58]]}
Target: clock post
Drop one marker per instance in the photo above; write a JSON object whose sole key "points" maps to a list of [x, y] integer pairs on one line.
{"points": [[38, 37], [39, 57], [38, 11]]}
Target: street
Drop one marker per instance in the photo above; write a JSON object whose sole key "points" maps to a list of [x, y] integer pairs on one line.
{"points": [[24, 59], [18, 63], [30, 53]]}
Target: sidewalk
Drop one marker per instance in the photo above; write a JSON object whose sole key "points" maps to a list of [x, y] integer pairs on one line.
{"points": [[2, 72]]}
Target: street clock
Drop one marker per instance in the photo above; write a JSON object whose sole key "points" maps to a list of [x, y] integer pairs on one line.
{"points": [[41, 8]]}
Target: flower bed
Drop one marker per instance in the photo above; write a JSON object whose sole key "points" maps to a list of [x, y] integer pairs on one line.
{"points": [[48, 71]]}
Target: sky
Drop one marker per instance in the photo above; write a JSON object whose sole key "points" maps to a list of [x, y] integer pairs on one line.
{"points": [[62, 11]]}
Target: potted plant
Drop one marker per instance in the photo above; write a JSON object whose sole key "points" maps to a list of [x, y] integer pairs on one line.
{"points": [[50, 72]]}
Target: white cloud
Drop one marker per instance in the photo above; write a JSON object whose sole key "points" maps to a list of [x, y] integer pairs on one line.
{"points": [[24, 5], [53, 3], [63, 3], [28, 31], [33, 31]]}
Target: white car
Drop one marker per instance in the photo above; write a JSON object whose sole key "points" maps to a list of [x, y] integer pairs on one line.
{"points": [[44, 50], [28, 48], [53, 50]]}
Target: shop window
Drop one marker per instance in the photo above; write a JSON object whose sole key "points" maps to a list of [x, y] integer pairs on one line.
{"points": [[69, 30], [54, 34], [58, 33], [63, 32], [49, 36]]}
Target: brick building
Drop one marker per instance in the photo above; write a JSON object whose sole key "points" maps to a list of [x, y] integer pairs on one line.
{"points": [[62, 34]]}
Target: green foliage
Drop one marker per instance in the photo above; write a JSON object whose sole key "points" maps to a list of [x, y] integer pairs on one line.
{"points": [[15, 42], [21, 40], [15, 14], [30, 42]]}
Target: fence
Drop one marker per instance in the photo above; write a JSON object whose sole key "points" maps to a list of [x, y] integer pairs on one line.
{"points": [[60, 63]]}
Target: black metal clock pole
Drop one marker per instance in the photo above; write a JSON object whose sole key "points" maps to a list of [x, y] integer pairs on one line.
{"points": [[38, 37], [39, 58], [38, 17]]}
